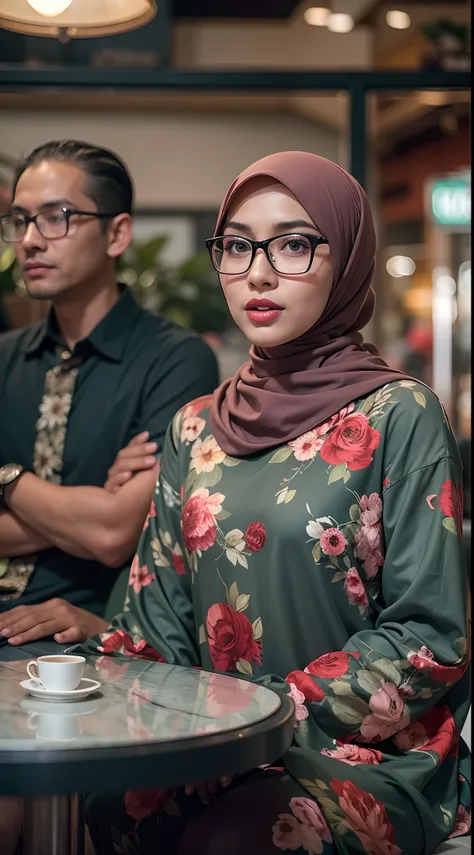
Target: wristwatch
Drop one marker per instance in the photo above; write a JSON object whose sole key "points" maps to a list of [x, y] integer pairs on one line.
{"points": [[8, 474]]}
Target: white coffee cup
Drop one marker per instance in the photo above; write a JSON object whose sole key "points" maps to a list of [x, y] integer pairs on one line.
{"points": [[57, 673]]}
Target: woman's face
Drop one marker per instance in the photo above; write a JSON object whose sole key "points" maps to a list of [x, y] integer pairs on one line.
{"points": [[264, 208]]}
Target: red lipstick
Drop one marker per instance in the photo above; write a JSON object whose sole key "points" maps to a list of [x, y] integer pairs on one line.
{"points": [[261, 310]]}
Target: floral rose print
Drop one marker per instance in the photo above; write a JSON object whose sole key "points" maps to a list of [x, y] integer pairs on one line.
{"points": [[177, 560], [355, 591], [352, 441], [230, 637], [451, 504], [298, 699], [367, 818], [307, 446], [192, 426], [309, 812], [329, 665], [412, 737], [206, 455], [308, 687], [305, 828], [332, 542], [462, 822], [331, 695], [120, 642], [354, 755], [197, 406], [191, 429], [255, 536], [388, 714], [151, 513], [139, 576], [288, 833], [369, 538], [315, 528], [198, 519], [435, 731], [141, 803], [448, 674], [424, 660], [234, 546]]}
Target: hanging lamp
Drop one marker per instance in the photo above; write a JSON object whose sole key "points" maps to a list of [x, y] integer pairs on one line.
{"points": [[67, 19]]}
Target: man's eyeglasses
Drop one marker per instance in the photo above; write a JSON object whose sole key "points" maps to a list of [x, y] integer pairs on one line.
{"points": [[290, 254], [51, 224]]}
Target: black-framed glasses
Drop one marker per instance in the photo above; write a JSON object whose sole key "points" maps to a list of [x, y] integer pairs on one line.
{"points": [[52, 223], [290, 254]]}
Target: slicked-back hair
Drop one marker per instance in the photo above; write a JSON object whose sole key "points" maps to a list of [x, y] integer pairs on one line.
{"points": [[108, 182]]}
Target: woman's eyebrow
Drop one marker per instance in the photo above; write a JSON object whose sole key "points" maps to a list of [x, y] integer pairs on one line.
{"points": [[240, 227], [288, 226]]}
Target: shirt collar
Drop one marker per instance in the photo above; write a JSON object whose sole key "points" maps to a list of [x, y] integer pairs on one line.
{"points": [[109, 338]]}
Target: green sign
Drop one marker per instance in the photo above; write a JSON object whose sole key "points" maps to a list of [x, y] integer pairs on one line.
{"points": [[451, 202]]}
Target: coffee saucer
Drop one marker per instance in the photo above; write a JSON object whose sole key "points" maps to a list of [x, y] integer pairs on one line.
{"points": [[86, 687]]}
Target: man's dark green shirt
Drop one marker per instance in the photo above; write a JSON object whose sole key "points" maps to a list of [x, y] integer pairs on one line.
{"points": [[138, 369]]}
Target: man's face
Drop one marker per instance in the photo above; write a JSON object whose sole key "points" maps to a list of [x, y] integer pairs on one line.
{"points": [[55, 268]]}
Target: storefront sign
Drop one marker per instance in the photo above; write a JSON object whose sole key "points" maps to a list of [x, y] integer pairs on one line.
{"points": [[451, 202]]}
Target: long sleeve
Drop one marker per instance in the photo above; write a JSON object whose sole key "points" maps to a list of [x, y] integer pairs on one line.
{"points": [[389, 676], [158, 621]]}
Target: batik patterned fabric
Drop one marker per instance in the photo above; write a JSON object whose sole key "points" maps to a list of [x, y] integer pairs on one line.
{"points": [[48, 454]]}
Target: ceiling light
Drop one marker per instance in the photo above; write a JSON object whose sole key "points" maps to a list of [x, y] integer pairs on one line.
{"points": [[317, 16], [340, 23], [400, 265], [78, 18], [49, 8], [398, 20], [434, 98]]}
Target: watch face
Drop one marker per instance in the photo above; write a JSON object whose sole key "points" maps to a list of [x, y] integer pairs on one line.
{"points": [[9, 472]]}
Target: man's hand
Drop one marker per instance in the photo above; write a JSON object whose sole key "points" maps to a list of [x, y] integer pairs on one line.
{"points": [[137, 456], [67, 623]]}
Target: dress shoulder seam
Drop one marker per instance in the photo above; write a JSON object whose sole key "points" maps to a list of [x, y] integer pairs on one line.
{"points": [[422, 468]]}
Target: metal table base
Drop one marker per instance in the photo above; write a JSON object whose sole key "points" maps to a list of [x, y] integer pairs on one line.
{"points": [[53, 825]]}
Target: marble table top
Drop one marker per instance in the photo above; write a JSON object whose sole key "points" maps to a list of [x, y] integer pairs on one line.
{"points": [[138, 702]]}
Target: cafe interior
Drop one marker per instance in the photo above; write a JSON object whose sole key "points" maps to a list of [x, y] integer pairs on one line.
{"points": [[188, 94]]}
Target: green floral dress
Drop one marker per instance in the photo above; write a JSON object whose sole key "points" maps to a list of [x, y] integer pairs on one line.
{"points": [[330, 568]]}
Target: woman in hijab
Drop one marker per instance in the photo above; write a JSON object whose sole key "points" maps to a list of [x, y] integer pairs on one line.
{"points": [[305, 535]]}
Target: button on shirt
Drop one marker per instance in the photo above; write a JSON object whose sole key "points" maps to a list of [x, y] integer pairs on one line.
{"points": [[135, 371]]}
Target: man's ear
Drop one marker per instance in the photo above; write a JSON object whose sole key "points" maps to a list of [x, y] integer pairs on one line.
{"points": [[119, 232]]}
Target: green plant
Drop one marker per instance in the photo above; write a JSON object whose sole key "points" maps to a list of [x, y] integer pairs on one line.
{"points": [[445, 27], [9, 275], [187, 293]]}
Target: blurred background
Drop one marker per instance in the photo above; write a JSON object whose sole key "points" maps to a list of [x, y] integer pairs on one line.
{"points": [[192, 97]]}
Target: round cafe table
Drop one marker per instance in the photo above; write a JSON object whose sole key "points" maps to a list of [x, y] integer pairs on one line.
{"points": [[149, 725]]}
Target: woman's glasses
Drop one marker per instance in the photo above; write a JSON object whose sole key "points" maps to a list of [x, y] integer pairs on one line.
{"points": [[290, 254]]}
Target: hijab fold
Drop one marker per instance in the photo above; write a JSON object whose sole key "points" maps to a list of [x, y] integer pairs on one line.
{"points": [[286, 391]]}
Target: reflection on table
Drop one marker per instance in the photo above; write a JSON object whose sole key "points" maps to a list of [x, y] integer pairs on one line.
{"points": [[138, 702]]}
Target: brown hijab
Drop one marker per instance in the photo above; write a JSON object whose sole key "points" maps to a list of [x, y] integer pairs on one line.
{"points": [[287, 390]]}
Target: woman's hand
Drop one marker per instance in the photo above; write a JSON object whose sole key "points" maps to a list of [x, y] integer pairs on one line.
{"points": [[206, 790]]}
